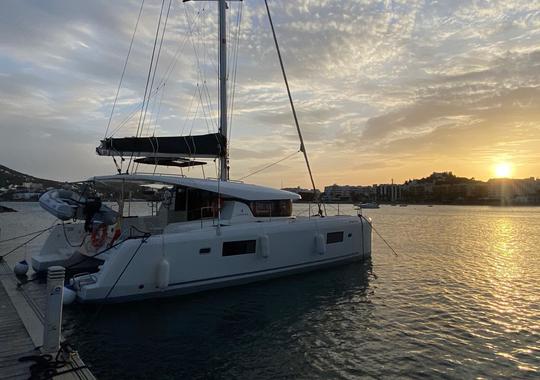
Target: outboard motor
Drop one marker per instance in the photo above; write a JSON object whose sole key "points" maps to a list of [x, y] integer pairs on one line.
{"points": [[91, 208]]}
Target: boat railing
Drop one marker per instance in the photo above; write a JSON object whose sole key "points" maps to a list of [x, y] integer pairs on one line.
{"points": [[229, 180], [162, 174], [213, 217]]}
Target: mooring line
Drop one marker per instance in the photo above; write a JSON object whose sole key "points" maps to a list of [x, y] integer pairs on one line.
{"points": [[26, 242], [378, 234]]}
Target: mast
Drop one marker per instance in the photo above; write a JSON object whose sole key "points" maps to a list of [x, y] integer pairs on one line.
{"points": [[224, 159]]}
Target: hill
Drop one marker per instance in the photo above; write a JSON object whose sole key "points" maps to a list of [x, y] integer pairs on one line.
{"points": [[10, 177]]}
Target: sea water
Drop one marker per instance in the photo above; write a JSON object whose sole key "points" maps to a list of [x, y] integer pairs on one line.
{"points": [[461, 300]]}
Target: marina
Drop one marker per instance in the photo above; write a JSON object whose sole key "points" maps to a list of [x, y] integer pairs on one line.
{"points": [[233, 189]]}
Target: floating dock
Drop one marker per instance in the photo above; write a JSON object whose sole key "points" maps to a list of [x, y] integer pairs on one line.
{"points": [[22, 316]]}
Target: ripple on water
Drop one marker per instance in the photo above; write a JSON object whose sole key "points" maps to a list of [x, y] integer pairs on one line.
{"points": [[461, 301]]}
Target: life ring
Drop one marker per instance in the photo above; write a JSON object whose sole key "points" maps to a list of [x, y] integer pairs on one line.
{"points": [[99, 235]]}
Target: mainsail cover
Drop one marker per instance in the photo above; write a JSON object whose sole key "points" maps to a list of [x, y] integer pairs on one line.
{"points": [[178, 162], [205, 146]]}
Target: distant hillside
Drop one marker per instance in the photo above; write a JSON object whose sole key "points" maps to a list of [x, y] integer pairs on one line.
{"points": [[11, 177]]}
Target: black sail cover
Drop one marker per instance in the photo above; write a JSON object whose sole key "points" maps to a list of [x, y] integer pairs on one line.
{"points": [[207, 146]]}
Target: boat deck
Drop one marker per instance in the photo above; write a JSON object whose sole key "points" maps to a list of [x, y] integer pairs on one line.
{"points": [[21, 329]]}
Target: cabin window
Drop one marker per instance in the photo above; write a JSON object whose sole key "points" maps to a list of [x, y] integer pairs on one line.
{"points": [[201, 204], [241, 247], [204, 251], [275, 208], [334, 237], [180, 199]]}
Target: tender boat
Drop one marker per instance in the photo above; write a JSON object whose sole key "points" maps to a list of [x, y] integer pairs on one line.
{"points": [[205, 233]]}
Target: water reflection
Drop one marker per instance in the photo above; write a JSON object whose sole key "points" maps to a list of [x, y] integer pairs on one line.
{"points": [[462, 300], [225, 333]]}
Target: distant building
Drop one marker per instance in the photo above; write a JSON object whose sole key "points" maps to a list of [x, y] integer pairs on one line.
{"points": [[25, 196], [347, 193], [32, 186], [306, 194], [518, 191], [387, 192]]}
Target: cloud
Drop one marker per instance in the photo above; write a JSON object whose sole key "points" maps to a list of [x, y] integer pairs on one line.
{"points": [[383, 89]]}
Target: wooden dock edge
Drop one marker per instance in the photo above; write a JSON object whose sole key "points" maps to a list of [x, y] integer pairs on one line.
{"points": [[33, 320]]}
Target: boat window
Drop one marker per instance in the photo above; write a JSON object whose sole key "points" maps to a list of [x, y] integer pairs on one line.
{"points": [[240, 247], [180, 199], [204, 251], [275, 208], [201, 204], [334, 237]]}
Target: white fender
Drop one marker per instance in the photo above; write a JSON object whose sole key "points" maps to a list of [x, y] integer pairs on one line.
{"points": [[21, 268], [163, 273], [264, 245], [320, 244]]}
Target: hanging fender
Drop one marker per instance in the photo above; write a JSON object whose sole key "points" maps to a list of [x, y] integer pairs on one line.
{"points": [[320, 244], [264, 244], [163, 273]]}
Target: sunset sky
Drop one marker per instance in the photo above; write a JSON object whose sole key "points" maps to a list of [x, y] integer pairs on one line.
{"points": [[384, 89]]}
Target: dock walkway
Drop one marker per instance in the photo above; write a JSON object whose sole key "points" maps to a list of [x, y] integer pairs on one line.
{"points": [[21, 329]]}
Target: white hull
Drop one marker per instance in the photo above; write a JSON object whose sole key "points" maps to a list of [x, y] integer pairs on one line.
{"points": [[282, 247], [169, 253], [224, 282]]}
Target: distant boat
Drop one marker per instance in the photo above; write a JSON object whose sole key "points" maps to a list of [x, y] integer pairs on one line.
{"points": [[403, 205], [430, 205], [368, 205]]}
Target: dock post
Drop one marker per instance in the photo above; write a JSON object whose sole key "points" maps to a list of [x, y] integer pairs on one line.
{"points": [[53, 313]]}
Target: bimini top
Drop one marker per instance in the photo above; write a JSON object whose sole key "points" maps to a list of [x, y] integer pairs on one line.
{"points": [[227, 188]]}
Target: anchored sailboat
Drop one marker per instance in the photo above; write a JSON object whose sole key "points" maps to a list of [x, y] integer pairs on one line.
{"points": [[206, 233]]}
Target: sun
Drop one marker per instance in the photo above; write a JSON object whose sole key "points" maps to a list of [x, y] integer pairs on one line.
{"points": [[503, 170]]}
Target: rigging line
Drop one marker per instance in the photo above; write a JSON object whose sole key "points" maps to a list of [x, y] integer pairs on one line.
{"points": [[378, 234], [302, 145], [200, 73], [201, 102], [124, 69], [188, 111], [194, 117], [150, 69], [152, 83], [26, 242], [233, 82], [209, 104], [168, 72], [25, 235], [200, 67], [268, 166], [133, 112], [148, 77], [157, 62], [143, 240], [159, 110]]}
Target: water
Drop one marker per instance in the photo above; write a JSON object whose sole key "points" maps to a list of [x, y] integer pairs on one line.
{"points": [[462, 300]]}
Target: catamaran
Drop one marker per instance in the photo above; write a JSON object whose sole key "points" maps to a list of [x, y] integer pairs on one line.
{"points": [[205, 233]]}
